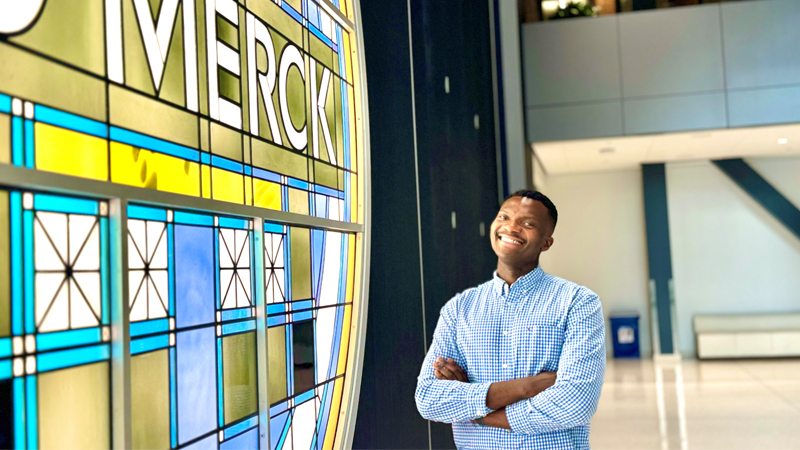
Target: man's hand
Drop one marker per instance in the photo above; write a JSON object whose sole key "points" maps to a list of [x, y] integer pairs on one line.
{"points": [[448, 369]]}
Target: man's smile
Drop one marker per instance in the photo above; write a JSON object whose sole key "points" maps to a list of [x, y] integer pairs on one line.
{"points": [[510, 239]]}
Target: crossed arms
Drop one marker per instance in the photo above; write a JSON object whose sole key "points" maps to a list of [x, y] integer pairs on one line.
{"points": [[500, 394], [530, 405]]}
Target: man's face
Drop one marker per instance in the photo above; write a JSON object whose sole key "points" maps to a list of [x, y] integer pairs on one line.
{"points": [[521, 231]]}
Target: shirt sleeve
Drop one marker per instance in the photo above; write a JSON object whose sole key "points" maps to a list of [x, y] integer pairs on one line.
{"points": [[444, 400], [572, 400]]}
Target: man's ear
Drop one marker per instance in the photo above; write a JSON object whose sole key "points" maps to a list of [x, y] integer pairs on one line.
{"points": [[547, 244]]}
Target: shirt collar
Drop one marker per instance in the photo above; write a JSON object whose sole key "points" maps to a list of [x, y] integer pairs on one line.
{"points": [[523, 283]]}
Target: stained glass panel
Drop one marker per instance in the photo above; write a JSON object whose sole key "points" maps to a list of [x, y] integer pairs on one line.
{"points": [[264, 77], [55, 349], [308, 330], [252, 103], [191, 296]]}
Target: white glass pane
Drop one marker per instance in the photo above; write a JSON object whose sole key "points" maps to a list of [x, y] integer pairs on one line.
{"points": [[156, 244], [89, 284], [227, 290], [137, 248], [57, 318], [137, 293], [333, 209], [242, 249], [79, 229], [46, 286], [226, 248], [160, 281], [157, 305], [89, 256], [45, 255], [329, 293], [56, 227], [134, 261], [243, 288], [80, 313], [304, 425]]}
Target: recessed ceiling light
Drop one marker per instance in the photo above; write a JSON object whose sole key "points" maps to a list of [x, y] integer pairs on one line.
{"points": [[783, 141], [607, 150]]}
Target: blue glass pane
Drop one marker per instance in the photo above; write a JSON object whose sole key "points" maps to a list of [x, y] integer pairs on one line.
{"points": [[246, 441], [71, 121], [54, 203], [71, 338], [277, 429], [246, 424], [229, 222], [194, 275], [145, 213], [209, 443], [317, 248], [197, 386]]}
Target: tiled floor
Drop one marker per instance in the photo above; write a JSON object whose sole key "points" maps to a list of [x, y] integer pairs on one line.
{"points": [[699, 405]]}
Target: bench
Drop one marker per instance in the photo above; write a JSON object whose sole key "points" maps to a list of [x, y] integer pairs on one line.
{"points": [[747, 335]]}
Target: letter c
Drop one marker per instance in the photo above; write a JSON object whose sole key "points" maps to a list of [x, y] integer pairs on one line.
{"points": [[17, 15]]}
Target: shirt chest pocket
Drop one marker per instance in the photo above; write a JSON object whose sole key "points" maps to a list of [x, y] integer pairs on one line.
{"points": [[540, 345]]}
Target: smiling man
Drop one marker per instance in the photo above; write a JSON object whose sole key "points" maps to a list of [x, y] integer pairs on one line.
{"points": [[517, 362]]}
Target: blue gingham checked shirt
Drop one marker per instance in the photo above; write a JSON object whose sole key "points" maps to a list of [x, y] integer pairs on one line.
{"points": [[497, 333]]}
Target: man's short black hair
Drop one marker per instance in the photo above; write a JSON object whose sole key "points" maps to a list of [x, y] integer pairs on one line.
{"points": [[539, 197]]}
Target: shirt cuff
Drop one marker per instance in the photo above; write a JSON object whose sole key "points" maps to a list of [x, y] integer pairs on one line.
{"points": [[476, 399], [518, 416]]}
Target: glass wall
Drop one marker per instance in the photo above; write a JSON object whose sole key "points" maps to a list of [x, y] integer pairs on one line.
{"points": [[181, 223]]}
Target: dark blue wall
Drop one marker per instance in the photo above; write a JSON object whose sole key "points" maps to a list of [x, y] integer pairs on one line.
{"points": [[457, 173]]}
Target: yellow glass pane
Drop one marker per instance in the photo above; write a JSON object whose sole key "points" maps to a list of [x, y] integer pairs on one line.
{"points": [[248, 190], [206, 170], [351, 120], [227, 186], [239, 376], [333, 418], [143, 168], [69, 152], [74, 408], [354, 211], [276, 341], [5, 138], [344, 346], [267, 194], [298, 201], [351, 267], [5, 281], [300, 241], [150, 400]]}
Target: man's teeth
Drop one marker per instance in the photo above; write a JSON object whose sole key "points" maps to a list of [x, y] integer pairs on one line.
{"points": [[508, 239]]}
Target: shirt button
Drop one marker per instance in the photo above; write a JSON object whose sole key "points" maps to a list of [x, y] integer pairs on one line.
{"points": [[505, 366], [505, 333]]}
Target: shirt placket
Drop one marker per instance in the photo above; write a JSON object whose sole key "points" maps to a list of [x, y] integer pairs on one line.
{"points": [[507, 336]]}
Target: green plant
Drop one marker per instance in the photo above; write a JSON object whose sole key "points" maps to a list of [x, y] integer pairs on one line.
{"points": [[574, 9]]}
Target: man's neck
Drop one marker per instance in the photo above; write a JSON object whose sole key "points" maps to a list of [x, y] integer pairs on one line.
{"points": [[511, 274]]}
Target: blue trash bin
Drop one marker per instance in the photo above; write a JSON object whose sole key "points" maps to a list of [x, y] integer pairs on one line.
{"points": [[625, 335]]}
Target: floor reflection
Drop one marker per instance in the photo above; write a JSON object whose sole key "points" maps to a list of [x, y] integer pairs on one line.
{"points": [[699, 405]]}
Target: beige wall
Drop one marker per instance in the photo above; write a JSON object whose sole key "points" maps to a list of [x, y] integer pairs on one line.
{"points": [[600, 240]]}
